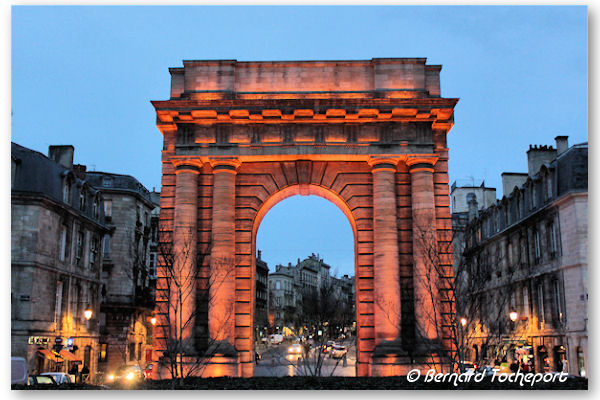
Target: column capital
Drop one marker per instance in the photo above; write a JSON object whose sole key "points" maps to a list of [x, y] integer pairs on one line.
{"points": [[383, 163], [421, 162], [186, 164], [225, 164]]}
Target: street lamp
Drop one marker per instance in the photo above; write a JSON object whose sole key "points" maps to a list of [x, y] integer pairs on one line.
{"points": [[513, 316], [88, 313], [463, 321], [153, 320]]}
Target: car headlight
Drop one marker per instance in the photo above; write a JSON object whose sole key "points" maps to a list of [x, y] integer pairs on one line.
{"points": [[129, 376]]}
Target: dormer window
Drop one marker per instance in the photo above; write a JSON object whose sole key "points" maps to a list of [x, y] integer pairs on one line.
{"points": [[67, 192], [82, 200], [96, 207]]}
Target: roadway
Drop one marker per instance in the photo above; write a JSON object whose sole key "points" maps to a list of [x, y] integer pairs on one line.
{"points": [[275, 361]]}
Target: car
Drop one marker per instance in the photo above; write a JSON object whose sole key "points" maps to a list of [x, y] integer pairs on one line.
{"points": [[59, 377], [41, 380], [338, 351], [296, 348], [126, 375], [488, 370], [467, 366], [327, 346], [18, 371]]}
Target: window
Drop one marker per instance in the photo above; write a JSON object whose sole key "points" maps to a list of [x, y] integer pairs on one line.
{"points": [[525, 310], [79, 252], [277, 285], [58, 305], [106, 246], [131, 351], [95, 207], [540, 303], [537, 248], [580, 362], [67, 192], [551, 239], [93, 251], [108, 208], [107, 182], [82, 200], [152, 269], [103, 352], [63, 243], [558, 313]]}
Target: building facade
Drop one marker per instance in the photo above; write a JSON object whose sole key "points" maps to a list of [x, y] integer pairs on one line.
{"points": [[128, 280], [57, 226], [262, 297], [294, 291], [521, 278]]}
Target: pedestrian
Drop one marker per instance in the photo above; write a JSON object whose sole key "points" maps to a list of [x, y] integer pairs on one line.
{"points": [[565, 366], [85, 372], [345, 360], [74, 371]]}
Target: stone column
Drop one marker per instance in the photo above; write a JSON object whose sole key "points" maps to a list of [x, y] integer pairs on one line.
{"points": [[425, 250], [385, 252], [221, 318], [184, 269]]}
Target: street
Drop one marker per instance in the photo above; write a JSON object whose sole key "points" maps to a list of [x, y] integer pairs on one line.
{"points": [[277, 362]]}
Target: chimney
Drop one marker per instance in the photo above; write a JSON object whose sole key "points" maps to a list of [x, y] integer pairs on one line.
{"points": [[562, 144], [62, 155], [538, 156], [473, 206], [259, 253], [79, 171], [510, 180]]}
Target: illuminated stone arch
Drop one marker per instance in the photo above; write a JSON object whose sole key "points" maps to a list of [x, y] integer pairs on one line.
{"points": [[370, 136]]}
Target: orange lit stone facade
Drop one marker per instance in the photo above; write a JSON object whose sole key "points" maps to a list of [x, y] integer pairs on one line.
{"points": [[369, 136]]}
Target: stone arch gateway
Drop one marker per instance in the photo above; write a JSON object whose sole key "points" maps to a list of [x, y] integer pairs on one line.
{"points": [[370, 136]]}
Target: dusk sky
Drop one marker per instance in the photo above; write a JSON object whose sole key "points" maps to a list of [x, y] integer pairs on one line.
{"points": [[85, 76]]}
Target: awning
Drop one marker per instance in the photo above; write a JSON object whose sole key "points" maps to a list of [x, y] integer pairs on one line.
{"points": [[49, 355], [67, 355]]}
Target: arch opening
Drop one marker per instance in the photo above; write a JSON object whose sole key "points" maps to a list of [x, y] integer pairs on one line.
{"points": [[310, 288]]}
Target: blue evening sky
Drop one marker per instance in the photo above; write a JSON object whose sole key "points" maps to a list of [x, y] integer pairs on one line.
{"points": [[85, 76]]}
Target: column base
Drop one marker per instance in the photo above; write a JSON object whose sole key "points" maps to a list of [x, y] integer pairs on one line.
{"points": [[390, 359], [193, 366]]}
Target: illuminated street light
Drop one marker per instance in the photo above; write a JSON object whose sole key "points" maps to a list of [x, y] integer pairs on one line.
{"points": [[513, 316], [153, 321], [88, 313], [463, 321]]}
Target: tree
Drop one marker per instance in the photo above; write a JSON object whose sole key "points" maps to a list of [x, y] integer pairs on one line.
{"points": [[320, 312], [185, 296]]}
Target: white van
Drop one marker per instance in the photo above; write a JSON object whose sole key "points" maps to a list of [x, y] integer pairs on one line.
{"points": [[18, 371], [276, 338]]}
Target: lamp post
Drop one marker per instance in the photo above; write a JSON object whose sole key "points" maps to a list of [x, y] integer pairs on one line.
{"points": [[88, 313], [463, 323]]}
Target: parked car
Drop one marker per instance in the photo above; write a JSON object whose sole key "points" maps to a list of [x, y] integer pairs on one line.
{"points": [[488, 370], [338, 351], [126, 375], [276, 338], [18, 371], [60, 377], [41, 380], [467, 366]]}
